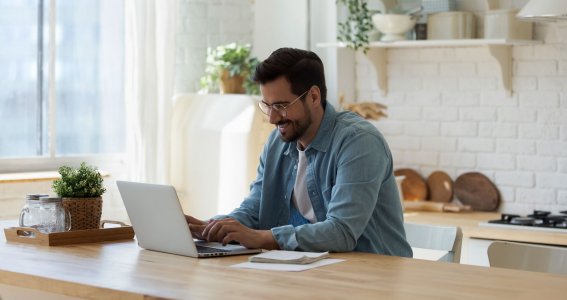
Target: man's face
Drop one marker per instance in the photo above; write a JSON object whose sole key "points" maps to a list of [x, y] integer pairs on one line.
{"points": [[293, 121]]}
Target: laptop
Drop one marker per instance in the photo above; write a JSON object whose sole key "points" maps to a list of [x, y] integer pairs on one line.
{"points": [[160, 225]]}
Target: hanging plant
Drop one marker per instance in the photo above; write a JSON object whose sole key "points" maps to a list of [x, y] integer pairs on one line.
{"points": [[354, 30]]}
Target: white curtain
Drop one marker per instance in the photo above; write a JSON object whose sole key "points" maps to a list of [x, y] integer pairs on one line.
{"points": [[150, 69]]}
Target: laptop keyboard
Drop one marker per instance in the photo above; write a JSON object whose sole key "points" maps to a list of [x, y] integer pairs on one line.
{"points": [[202, 249]]}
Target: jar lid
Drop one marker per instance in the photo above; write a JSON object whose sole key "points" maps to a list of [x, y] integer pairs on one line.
{"points": [[49, 199], [35, 196]]}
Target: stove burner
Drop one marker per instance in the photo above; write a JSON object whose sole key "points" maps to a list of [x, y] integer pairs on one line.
{"points": [[539, 214], [523, 221], [538, 218], [508, 217]]}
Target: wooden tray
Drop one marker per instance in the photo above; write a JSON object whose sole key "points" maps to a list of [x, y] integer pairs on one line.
{"points": [[33, 236]]}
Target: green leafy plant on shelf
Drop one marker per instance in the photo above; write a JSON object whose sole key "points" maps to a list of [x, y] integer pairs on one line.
{"points": [[229, 69], [83, 182], [358, 24]]}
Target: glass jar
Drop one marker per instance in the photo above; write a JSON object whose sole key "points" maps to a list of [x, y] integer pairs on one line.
{"points": [[54, 217], [29, 215]]}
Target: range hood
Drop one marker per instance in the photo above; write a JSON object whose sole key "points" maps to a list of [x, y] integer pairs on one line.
{"points": [[544, 11]]}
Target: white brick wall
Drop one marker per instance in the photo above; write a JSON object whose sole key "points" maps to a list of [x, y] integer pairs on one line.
{"points": [[208, 23], [497, 130], [562, 198], [515, 178], [447, 111], [452, 160], [536, 164], [475, 145]]}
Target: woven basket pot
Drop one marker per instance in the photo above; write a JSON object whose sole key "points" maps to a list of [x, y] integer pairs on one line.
{"points": [[85, 212]]}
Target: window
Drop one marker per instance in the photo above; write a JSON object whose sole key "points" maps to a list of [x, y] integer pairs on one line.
{"points": [[61, 78]]}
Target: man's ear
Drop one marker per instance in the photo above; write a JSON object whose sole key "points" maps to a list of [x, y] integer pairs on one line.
{"points": [[315, 94]]}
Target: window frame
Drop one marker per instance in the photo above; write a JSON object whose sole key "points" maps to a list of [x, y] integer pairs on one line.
{"points": [[52, 161]]}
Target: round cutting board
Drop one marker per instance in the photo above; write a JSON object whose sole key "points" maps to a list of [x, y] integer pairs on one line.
{"points": [[478, 191], [414, 186], [440, 187]]}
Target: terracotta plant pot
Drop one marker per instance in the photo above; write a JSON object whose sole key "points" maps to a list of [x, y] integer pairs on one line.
{"points": [[85, 212], [231, 84]]}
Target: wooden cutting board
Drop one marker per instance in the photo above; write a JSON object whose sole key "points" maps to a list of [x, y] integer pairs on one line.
{"points": [[435, 206], [440, 187], [414, 186], [478, 191]]}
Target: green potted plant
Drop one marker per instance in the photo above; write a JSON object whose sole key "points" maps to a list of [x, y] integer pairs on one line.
{"points": [[81, 189], [229, 70], [354, 31]]}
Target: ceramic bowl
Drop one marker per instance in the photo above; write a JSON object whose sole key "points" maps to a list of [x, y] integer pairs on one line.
{"points": [[394, 27]]}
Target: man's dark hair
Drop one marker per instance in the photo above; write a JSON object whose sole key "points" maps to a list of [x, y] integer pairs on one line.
{"points": [[301, 68]]}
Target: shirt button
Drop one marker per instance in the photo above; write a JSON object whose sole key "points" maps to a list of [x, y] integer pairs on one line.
{"points": [[294, 167]]}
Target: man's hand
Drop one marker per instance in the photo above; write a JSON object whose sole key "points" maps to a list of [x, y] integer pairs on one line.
{"points": [[227, 230], [196, 226]]}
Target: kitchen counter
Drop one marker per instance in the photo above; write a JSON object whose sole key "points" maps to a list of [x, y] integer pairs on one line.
{"points": [[122, 270], [468, 221]]}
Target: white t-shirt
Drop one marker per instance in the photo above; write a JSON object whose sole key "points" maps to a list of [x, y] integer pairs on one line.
{"points": [[300, 195]]}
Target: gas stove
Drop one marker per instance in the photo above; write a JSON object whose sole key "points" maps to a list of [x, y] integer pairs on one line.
{"points": [[538, 221]]}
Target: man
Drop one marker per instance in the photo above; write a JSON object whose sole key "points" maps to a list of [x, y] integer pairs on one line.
{"points": [[325, 180]]}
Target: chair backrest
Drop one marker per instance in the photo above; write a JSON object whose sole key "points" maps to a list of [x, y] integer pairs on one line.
{"points": [[443, 238], [528, 257]]}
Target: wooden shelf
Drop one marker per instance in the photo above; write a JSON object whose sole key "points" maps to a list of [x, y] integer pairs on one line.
{"points": [[35, 176], [498, 49], [439, 43]]}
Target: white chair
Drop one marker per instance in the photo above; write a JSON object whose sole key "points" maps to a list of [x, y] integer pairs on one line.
{"points": [[432, 242], [528, 257]]}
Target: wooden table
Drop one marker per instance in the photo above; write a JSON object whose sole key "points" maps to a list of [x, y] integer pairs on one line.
{"points": [[121, 270]]}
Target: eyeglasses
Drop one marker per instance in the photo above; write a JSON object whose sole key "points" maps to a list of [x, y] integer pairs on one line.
{"points": [[278, 107]]}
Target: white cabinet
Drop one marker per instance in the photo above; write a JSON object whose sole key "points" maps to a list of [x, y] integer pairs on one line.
{"points": [[474, 252], [216, 143], [498, 49]]}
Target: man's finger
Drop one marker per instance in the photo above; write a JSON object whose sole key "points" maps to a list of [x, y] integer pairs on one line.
{"points": [[193, 220], [197, 228], [208, 227], [230, 237]]}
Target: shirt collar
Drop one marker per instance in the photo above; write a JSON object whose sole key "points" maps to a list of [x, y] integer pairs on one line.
{"points": [[321, 141]]}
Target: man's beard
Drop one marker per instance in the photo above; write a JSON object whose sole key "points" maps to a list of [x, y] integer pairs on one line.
{"points": [[299, 126]]}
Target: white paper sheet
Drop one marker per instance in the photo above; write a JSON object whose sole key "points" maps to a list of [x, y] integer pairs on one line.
{"points": [[287, 267]]}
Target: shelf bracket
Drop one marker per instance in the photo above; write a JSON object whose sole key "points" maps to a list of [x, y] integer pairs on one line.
{"points": [[377, 57], [502, 54]]}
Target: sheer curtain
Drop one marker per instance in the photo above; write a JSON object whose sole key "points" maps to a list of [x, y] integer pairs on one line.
{"points": [[149, 86]]}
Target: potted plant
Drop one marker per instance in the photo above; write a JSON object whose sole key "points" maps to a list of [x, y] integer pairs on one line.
{"points": [[354, 31], [81, 189], [229, 69]]}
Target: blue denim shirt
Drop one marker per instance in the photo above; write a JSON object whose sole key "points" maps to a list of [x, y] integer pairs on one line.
{"points": [[351, 185]]}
